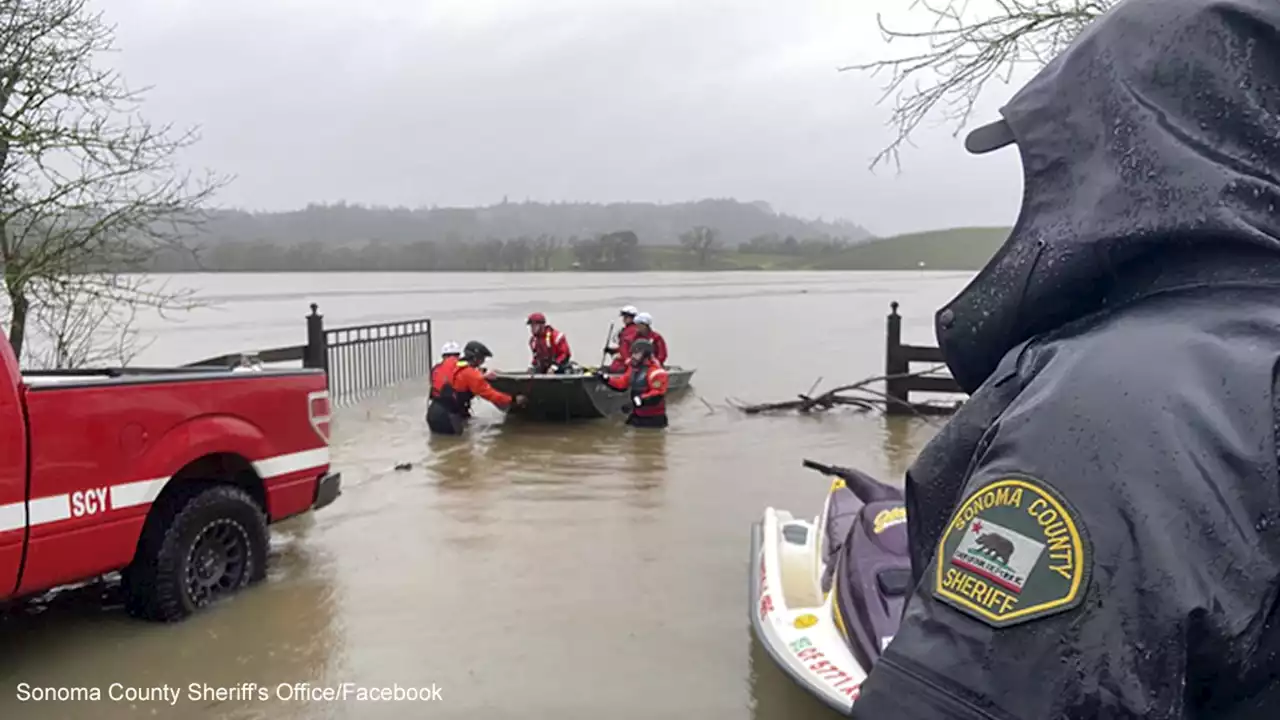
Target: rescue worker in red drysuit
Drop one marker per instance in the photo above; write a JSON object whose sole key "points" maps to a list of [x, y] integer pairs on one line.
{"points": [[443, 370], [644, 329], [549, 346], [622, 350], [449, 410], [646, 380]]}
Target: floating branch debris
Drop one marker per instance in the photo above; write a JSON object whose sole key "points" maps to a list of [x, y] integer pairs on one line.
{"points": [[856, 395], [899, 382]]}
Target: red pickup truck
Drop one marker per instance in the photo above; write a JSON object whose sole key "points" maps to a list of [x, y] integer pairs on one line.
{"points": [[169, 476]]}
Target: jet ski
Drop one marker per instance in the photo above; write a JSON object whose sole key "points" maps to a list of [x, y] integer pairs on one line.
{"points": [[827, 595]]}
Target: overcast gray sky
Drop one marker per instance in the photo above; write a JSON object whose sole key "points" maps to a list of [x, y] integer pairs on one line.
{"points": [[460, 102]]}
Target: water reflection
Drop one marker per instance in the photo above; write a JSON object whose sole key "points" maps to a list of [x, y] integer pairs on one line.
{"points": [[466, 490], [903, 439], [646, 451], [775, 696], [477, 476], [281, 631], [590, 446], [453, 460]]}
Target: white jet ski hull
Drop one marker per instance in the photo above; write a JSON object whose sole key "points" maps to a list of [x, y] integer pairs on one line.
{"points": [[797, 625]]}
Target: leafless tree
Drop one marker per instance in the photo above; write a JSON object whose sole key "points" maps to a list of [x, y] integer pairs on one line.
{"points": [[703, 242], [88, 189], [75, 332], [965, 45]]}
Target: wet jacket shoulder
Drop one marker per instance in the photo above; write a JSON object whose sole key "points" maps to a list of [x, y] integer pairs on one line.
{"points": [[625, 337], [1109, 541], [442, 373]]}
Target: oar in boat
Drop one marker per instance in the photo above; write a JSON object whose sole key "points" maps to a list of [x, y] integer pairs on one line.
{"points": [[604, 354]]}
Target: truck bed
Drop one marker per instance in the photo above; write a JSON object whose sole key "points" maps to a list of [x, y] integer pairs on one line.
{"points": [[41, 379]]}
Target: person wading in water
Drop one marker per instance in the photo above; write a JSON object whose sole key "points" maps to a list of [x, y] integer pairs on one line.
{"points": [[448, 412], [646, 380]]}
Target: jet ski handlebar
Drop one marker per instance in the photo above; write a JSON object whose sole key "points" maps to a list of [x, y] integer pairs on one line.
{"points": [[867, 488], [825, 469]]}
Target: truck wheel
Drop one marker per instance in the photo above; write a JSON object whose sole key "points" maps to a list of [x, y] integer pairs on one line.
{"points": [[203, 546]]}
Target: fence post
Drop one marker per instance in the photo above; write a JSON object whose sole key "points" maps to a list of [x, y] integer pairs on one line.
{"points": [[895, 365], [316, 354]]}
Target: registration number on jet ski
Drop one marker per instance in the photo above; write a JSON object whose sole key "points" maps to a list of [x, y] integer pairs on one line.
{"points": [[823, 668], [766, 602]]}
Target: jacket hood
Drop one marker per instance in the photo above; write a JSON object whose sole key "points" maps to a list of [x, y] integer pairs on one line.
{"points": [[1157, 129]]}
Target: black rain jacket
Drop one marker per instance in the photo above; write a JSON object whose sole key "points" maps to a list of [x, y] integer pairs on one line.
{"points": [[1096, 533]]}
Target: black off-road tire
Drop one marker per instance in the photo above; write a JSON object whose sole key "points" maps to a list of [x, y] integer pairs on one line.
{"points": [[205, 543]]}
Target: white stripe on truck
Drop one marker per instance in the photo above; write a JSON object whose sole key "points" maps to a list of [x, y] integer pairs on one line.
{"points": [[12, 516], [142, 492], [285, 464], [55, 508], [49, 509]]}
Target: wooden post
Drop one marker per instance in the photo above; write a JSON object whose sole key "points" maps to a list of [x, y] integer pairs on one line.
{"points": [[316, 354], [895, 364]]}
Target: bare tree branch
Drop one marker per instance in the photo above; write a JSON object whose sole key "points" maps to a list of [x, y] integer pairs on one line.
{"points": [[90, 319], [840, 396], [89, 190], [965, 48]]}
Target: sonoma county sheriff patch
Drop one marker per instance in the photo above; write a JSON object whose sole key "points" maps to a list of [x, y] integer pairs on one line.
{"points": [[1015, 551]]}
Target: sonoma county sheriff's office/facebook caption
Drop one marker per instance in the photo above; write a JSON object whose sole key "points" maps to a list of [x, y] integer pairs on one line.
{"points": [[249, 692]]}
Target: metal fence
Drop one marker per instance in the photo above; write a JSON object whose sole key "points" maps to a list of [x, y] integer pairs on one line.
{"points": [[362, 360], [359, 360]]}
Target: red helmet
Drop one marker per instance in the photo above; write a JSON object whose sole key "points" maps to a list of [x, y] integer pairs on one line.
{"points": [[536, 318]]}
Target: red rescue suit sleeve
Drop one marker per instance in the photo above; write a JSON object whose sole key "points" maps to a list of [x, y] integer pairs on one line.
{"points": [[559, 347], [469, 379], [659, 348]]}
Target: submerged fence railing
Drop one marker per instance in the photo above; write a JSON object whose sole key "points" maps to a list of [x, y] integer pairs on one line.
{"points": [[360, 360]]}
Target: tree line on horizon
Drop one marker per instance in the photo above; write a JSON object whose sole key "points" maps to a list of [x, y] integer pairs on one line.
{"points": [[345, 224], [512, 237], [698, 248]]}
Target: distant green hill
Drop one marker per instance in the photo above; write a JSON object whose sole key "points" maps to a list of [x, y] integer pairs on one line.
{"points": [[952, 249]]}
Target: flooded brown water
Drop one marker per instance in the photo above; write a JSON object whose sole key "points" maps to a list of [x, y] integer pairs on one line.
{"points": [[526, 571]]}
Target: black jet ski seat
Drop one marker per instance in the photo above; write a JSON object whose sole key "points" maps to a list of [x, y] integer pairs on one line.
{"points": [[866, 557]]}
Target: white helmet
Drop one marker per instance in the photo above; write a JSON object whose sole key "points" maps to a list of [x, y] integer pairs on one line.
{"points": [[628, 310], [451, 348], [644, 319]]}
